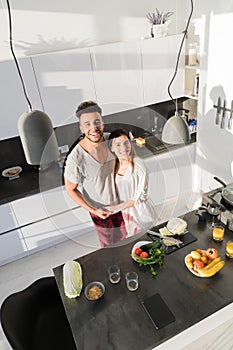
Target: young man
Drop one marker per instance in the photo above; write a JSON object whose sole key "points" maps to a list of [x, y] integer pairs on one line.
{"points": [[90, 165]]}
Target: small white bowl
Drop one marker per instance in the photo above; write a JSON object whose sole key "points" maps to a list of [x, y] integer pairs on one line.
{"points": [[91, 285], [138, 245], [12, 172]]}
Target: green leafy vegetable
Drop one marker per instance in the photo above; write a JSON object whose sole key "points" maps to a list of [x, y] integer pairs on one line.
{"points": [[156, 254]]}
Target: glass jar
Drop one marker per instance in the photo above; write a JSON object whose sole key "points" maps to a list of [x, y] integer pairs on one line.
{"points": [[192, 54]]}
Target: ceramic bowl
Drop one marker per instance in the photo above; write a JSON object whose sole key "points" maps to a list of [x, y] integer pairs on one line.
{"points": [[94, 290]]}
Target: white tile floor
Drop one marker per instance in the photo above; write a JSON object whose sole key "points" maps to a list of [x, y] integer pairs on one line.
{"points": [[19, 274]]}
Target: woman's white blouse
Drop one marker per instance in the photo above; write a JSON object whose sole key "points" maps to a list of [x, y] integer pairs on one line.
{"points": [[134, 185]]}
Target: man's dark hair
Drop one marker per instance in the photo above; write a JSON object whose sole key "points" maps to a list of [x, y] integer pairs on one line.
{"points": [[88, 107]]}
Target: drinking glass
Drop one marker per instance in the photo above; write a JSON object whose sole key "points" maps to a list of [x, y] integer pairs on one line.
{"points": [[218, 233], [131, 281], [229, 249], [214, 211], [114, 274]]}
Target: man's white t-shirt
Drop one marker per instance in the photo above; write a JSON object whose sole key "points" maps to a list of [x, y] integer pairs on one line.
{"points": [[95, 180]]}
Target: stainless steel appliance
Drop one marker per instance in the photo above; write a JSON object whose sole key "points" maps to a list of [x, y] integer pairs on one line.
{"points": [[215, 196]]}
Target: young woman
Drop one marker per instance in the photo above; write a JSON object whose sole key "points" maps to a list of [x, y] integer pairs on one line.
{"points": [[131, 184]]}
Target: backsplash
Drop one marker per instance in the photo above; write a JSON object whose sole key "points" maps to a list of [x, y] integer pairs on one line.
{"points": [[11, 153], [150, 118]]}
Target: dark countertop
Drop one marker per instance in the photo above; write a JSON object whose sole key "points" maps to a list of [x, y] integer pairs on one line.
{"points": [[32, 181], [119, 316]]}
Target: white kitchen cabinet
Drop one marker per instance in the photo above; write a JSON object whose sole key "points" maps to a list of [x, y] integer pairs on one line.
{"points": [[159, 57], [8, 220], [12, 246], [117, 76], [13, 101], [175, 173], [42, 205], [51, 217], [74, 224], [41, 235], [171, 176], [152, 167], [64, 79], [12, 243], [71, 225]]}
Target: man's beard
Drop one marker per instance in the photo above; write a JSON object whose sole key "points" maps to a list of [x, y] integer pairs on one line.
{"points": [[97, 141]]}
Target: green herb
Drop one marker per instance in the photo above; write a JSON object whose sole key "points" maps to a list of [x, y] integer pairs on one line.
{"points": [[156, 254], [158, 17]]}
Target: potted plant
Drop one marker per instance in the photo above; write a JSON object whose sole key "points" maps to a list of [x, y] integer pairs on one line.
{"points": [[159, 21]]}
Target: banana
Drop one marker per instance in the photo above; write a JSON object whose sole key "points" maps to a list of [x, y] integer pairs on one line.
{"points": [[213, 270], [210, 265]]}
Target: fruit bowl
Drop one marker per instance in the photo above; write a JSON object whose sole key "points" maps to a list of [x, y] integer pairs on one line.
{"points": [[191, 270], [203, 268]]}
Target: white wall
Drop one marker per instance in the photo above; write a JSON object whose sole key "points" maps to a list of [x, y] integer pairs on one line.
{"points": [[45, 26], [51, 27], [214, 21]]}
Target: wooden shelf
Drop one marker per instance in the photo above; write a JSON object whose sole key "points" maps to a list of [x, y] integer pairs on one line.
{"points": [[192, 67], [188, 94]]}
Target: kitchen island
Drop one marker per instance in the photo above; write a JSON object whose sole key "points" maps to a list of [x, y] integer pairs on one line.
{"points": [[118, 320]]}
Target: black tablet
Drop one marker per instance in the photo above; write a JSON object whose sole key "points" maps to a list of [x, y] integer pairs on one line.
{"points": [[158, 311]]}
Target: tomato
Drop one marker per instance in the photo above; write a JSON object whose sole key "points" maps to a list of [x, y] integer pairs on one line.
{"points": [[212, 253], [198, 264], [144, 255], [138, 251]]}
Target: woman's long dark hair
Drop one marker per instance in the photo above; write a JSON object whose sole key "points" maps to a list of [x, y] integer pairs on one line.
{"points": [[115, 134]]}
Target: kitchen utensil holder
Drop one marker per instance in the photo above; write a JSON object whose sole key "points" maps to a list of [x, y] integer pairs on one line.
{"points": [[222, 109]]}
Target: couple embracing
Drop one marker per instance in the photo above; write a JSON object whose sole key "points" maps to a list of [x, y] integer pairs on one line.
{"points": [[104, 176]]}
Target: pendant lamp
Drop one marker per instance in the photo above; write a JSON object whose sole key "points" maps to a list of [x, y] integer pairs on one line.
{"points": [[176, 129], [35, 127], [38, 138]]}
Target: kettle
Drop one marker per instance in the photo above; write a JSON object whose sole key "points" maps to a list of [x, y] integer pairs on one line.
{"points": [[202, 213]]}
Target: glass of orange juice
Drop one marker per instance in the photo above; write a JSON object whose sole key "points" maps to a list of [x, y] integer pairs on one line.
{"points": [[218, 233], [229, 249]]}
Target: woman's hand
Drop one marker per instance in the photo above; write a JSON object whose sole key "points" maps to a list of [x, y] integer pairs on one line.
{"points": [[102, 213], [113, 208], [119, 207]]}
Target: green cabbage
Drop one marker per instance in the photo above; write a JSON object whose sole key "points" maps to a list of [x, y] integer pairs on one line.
{"points": [[72, 279]]}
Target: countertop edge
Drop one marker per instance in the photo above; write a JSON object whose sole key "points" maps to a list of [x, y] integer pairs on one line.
{"points": [[195, 332]]}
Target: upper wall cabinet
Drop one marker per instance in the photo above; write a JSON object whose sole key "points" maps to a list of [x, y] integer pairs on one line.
{"points": [[65, 79], [13, 102], [117, 76], [159, 57]]}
